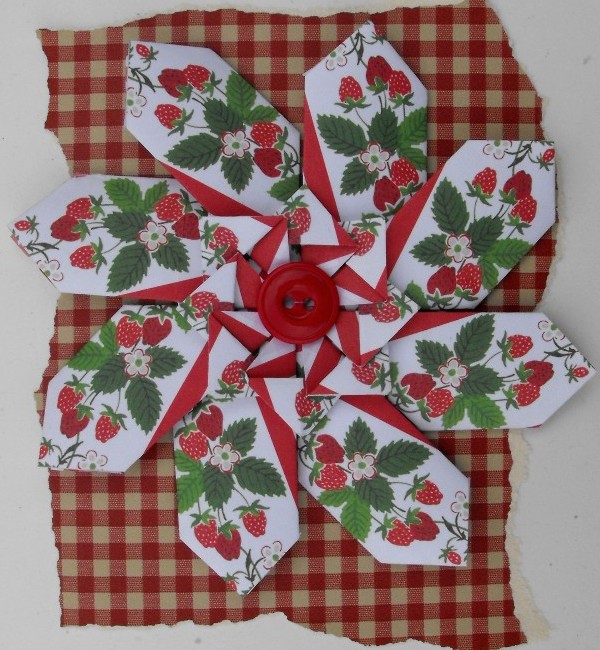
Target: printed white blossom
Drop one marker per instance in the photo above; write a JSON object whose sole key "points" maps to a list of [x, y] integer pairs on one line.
{"points": [[92, 461], [271, 554], [452, 373], [137, 362], [51, 270], [497, 148], [549, 331], [135, 102], [336, 58], [460, 507], [234, 144], [375, 158], [362, 466], [458, 248], [224, 457], [153, 236]]}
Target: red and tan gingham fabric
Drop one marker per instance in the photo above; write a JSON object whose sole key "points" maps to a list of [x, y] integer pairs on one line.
{"points": [[120, 560]]}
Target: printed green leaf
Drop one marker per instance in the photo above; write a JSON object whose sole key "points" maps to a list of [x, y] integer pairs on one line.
{"points": [[484, 233], [261, 114], [154, 194], [384, 129], [449, 208], [237, 171], [474, 339], [259, 477], [484, 413], [489, 275], [125, 225], [190, 488], [92, 356], [335, 498], [196, 152], [128, 268], [359, 438], [414, 292], [184, 463], [377, 492], [356, 178], [481, 381], [430, 251], [401, 457], [240, 96], [356, 517], [125, 194], [217, 486], [144, 402], [111, 377], [413, 130], [432, 355], [108, 336], [342, 135], [508, 252], [241, 434], [172, 255], [165, 361], [283, 189], [455, 413], [220, 118], [415, 156]]}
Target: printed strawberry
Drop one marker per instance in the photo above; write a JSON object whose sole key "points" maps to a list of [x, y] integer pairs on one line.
{"points": [[548, 155], [255, 522], [438, 401], [419, 384], [225, 239], [519, 345], [44, 449], [329, 449], [486, 179], [82, 258], [187, 227], [399, 84], [386, 193], [206, 533], [169, 208], [385, 312], [267, 160], [526, 393], [525, 209], [425, 529], [196, 75], [204, 302], [106, 428], [154, 331], [71, 425], [298, 223], [541, 372], [80, 208], [229, 545], [520, 183], [377, 66], [305, 405], [68, 398], [580, 372], [454, 558], [366, 374], [194, 444], [22, 225], [167, 113], [142, 50], [265, 133], [170, 79], [128, 332], [211, 423], [234, 374], [469, 278], [332, 477], [403, 173], [62, 228], [429, 494], [443, 280], [400, 534], [350, 89], [363, 239]]}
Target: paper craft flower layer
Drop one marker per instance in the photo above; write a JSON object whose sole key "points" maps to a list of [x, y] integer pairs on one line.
{"points": [[278, 326]]}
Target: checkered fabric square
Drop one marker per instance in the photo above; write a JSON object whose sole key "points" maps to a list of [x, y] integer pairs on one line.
{"points": [[120, 559]]}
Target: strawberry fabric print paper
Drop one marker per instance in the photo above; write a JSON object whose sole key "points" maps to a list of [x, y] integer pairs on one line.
{"points": [[211, 129]]}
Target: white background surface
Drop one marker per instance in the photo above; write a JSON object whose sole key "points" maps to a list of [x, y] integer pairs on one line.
{"points": [[557, 515]]}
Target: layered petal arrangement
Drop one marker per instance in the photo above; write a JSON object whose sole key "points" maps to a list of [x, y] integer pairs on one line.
{"points": [[287, 341]]}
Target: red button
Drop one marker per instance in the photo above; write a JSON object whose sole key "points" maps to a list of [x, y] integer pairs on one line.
{"points": [[298, 303]]}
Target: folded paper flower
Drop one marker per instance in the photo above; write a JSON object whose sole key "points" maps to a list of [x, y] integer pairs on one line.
{"points": [[285, 343]]}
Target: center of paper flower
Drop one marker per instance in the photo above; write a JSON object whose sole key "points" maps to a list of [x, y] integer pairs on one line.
{"points": [[298, 303]]}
